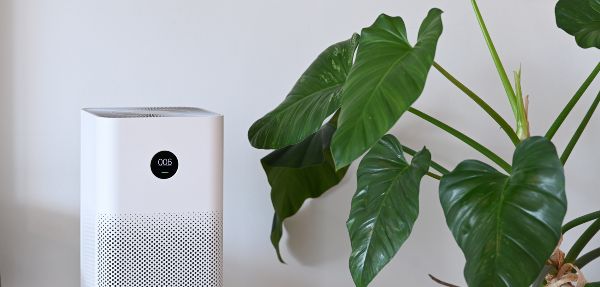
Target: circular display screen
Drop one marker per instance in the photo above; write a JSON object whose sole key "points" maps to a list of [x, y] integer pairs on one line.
{"points": [[164, 164]]}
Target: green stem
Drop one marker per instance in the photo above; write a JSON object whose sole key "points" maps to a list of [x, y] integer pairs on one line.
{"points": [[434, 176], [580, 220], [434, 164], [587, 258], [479, 101], [438, 281], [583, 241], [541, 279], [512, 98], [586, 119], [569, 107], [464, 138], [593, 284]]}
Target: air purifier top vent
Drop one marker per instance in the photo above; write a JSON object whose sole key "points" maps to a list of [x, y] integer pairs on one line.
{"points": [[150, 112]]}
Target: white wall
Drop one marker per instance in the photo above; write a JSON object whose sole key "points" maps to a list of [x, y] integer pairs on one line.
{"points": [[241, 58]]}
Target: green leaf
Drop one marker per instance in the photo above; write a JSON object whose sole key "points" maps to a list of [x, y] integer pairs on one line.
{"points": [[314, 97], [384, 207], [386, 79], [507, 226], [581, 19], [299, 172]]}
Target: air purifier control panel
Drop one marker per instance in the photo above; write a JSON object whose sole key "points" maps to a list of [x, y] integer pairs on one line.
{"points": [[164, 164]]}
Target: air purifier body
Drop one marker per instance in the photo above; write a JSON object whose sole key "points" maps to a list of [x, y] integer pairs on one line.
{"points": [[151, 197]]}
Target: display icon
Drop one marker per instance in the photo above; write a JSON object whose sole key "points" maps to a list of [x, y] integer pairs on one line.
{"points": [[164, 164]]}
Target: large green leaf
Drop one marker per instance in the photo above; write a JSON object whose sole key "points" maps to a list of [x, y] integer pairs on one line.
{"points": [[580, 18], [507, 226], [299, 172], [387, 77], [384, 207], [314, 97]]}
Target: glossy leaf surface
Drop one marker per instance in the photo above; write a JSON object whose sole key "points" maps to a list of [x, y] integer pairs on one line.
{"points": [[297, 173], [386, 79], [581, 19], [506, 226], [385, 206], [314, 97]]}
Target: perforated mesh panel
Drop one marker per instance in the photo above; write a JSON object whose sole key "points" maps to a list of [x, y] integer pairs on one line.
{"points": [[163, 249]]}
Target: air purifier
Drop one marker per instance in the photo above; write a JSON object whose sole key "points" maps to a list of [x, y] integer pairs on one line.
{"points": [[151, 197]]}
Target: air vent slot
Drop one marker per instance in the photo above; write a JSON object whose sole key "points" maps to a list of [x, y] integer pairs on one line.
{"points": [[150, 112]]}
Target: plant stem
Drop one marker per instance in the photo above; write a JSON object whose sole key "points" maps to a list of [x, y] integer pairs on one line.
{"points": [[587, 258], [434, 164], [479, 101], [583, 241], [593, 284], [569, 107], [541, 279], [464, 138], [510, 93], [434, 176], [580, 220], [580, 129], [441, 282]]}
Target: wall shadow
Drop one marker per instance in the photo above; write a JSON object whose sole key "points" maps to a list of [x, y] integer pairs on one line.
{"points": [[36, 244], [6, 132], [317, 234], [43, 250], [261, 275]]}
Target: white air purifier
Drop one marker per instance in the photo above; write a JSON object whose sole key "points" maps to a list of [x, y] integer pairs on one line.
{"points": [[151, 197]]}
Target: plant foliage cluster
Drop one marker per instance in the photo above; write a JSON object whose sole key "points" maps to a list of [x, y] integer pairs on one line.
{"points": [[507, 217]]}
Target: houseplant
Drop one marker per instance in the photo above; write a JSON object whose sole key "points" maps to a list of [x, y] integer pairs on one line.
{"points": [[506, 218]]}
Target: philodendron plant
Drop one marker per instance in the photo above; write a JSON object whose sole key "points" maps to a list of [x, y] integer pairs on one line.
{"points": [[507, 217]]}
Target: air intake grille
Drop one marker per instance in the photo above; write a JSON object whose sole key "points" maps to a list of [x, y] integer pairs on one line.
{"points": [[160, 250], [149, 112]]}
